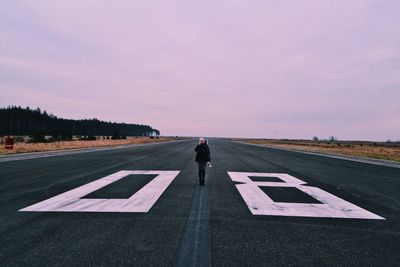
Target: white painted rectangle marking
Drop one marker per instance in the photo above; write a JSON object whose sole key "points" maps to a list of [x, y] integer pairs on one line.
{"points": [[260, 203], [141, 201]]}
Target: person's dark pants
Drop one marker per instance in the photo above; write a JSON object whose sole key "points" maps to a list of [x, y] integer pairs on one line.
{"points": [[202, 171]]}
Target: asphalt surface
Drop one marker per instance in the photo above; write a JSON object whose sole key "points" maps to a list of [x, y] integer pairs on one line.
{"points": [[198, 226]]}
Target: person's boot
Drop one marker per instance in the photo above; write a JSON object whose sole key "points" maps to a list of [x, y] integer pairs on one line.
{"points": [[200, 176], [203, 174]]}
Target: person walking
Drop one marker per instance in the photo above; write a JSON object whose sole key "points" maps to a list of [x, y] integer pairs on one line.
{"points": [[202, 158]]}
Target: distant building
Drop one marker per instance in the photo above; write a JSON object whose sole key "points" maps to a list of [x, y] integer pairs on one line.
{"points": [[153, 133]]}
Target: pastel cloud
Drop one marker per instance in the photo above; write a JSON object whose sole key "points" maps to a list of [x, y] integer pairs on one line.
{"points": [[218, 68]]}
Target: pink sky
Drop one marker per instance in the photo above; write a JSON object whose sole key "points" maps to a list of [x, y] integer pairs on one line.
{"points": [[284, 69]]}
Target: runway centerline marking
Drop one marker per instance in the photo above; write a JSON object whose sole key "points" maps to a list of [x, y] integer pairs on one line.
{"points": [[141, 201], [260, 203]]}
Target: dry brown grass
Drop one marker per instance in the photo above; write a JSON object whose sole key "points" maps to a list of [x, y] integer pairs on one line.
{"points": [[62, 145], [355, 148]]}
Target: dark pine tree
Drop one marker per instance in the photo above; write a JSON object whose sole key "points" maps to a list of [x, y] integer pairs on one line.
{"points": [[36, 123]]}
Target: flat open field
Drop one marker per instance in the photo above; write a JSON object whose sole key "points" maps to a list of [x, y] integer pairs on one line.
{"points": [[62, 145], [378, 150]]}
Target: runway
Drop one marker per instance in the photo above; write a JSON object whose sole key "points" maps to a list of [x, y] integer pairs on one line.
{"points": [[142, 206]]}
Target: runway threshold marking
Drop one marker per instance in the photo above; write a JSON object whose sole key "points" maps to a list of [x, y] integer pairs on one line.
{"points": [[141, 201], [260, 203]]}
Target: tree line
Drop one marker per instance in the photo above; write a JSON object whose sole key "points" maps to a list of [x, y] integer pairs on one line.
{"points": [[36, 123]]}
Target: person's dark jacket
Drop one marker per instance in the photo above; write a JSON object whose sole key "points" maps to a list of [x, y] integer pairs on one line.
{"points": [[203, 153]]}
